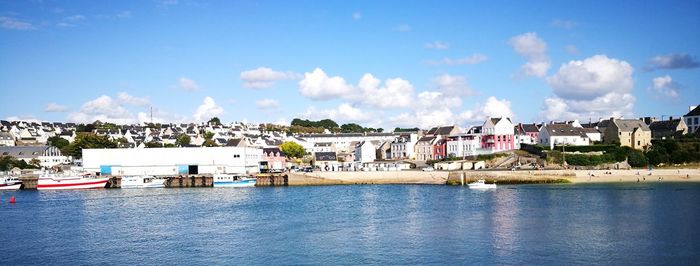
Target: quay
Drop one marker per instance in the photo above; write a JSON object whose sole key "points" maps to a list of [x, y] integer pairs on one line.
{"points": [[173, 181]]}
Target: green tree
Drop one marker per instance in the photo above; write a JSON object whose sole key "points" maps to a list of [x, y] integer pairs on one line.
{"points": [[9, 162], [351, 128], [637, 159], [398, 129], [214, 121], [183, 140], [122, 142], [35, 162], [153, 144], [292, 149], [87, 141], [208, 135], [209, 143], [58, 142]]}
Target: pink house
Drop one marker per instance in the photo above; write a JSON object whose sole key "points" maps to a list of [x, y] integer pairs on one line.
{"points": [[274, 158], [498, 134]]}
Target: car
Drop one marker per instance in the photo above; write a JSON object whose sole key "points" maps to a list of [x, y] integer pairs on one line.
{"points": [[428, 169], [308, 170]]}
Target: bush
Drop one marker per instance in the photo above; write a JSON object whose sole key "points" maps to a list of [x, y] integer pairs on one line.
{"points": [[591, 148], [637, 159]]}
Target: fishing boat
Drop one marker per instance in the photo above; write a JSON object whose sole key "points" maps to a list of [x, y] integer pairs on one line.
{"points": [[225, 180], [70, 181], [142, 182], [481, 184], [10, 183]]}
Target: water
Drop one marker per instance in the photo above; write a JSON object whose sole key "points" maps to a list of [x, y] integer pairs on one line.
{"points": [[393, 224]]}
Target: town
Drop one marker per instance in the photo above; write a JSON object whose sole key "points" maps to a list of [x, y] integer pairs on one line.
{"points": [[307, 146]]}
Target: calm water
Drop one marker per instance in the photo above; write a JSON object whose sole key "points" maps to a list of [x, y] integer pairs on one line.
{"points": [[393, 224]]}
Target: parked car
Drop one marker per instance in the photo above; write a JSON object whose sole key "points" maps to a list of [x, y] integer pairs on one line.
{"points": [[428, 169]]}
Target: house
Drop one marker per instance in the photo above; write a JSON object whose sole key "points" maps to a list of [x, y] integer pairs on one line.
{"points": [[424, 148], [48, 156], [461, 145], [326, 161], [692, 118], [6, 139], [365, 152], [275, 158], [601, 126], [323, 147], [672, 128], [384, 151], [628, 132], [527, 133], [593, 134], [440, 149], [403, 147], [562, 134], [498, 134]]}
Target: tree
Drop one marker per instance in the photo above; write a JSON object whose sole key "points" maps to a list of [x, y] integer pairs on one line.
{"points": [[58, 142], [398, 129], [208, 135], [209, 143], [637, 159], [214, 121], [35, 162], [153, 144], [351, 128], [87, 141], [122, 142], [292, 149], [183, 140]]}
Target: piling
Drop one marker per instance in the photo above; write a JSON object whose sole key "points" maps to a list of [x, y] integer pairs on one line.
{"points": [[29, 181], [271, 180], [189, 181]]}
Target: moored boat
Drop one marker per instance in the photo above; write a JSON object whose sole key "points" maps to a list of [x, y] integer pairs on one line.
{"points": [[224, 180], [142, 182], [10, 183], [481, 184], [52, 182]]}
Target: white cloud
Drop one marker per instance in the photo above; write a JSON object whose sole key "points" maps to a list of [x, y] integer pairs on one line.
{"points": [[435, 110], [469, 60], [344, 112], [124, 97], [403, 28], [160, 116], [188, 84], [15, 24], [74, 18], [673, 61], [267, 104], [453, 85], [395, 93], [596, 87], [665, 86], [263, 77], [55, 108], [319, 86], [563, 24], [571, 49], [103, 108], [356, 15], [207, 110], [534, 49], [437, 45]]}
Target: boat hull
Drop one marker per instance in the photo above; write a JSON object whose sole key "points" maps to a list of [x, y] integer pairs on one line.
{"points": [[76, 183], [482, 186], [239, 183], [142, 183], [10, 186]]}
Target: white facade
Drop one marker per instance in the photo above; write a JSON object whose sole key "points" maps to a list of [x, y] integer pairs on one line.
{"points": [[463, 145], [691, 120], [342, 141], [169, 161], [560, 137], [404, 147], [365, 152]]}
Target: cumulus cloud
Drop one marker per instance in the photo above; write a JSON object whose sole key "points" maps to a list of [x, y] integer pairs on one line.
{"points": [[452, 85], [534, 49], [672, 61], [15, 24], [124, 97], [263, 77], [55, 108], [438, 45], [665, 86], [344, 112], [563, 24], [207, 110], [433, 109], [395, 93], [103, 108], [468, 60], [596, 87], [316, 85], [159, 116], [188, 84], [267, 104]]}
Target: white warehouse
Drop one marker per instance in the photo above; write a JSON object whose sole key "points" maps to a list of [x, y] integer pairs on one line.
{"points": [[172, 161]]}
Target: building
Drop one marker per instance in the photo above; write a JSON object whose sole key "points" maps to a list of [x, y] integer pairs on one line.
{"points": [[498, 134], [343, 141], [323, 147], [692, 119], [326, 161], [562, 134], [593, 134], [424, 148], [403, 147], [48, 156], [274, 158], [6, 139], [365, 152], [672, 128], [628, 132], [384, 151], [173, 161], [461, 145]]}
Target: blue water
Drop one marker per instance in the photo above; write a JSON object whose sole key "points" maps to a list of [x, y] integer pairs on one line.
{"points": [[395, 224]]}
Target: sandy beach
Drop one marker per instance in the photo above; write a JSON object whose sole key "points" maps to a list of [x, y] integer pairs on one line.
{"points": [[634, 175]]}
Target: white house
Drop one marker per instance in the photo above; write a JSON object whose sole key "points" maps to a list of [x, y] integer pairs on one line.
{"points": [[461, 145], [403, 147], [498, 134], [6, 139], [365, 152], [692, 119], [562, 134]]}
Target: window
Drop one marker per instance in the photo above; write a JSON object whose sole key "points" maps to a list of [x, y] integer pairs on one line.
{"points": [[696, 120]]}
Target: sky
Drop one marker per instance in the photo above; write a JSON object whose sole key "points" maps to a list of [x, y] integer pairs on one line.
{"points": [[376, 63]]}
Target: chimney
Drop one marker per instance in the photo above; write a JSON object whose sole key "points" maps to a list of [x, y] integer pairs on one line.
{"points": [[670, 118]]}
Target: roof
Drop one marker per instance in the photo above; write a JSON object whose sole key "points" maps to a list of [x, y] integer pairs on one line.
{"points": [[426, 139], [233, 142], [590, 130], [531, 128], [441, 130], [665, 125], [694, 112], [6, 136], [628, 125], [325, 156], [273, 151], [23, 151], [564, 130]]}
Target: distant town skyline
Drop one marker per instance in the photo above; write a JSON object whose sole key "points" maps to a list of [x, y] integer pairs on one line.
{"points": [[379, 64]]}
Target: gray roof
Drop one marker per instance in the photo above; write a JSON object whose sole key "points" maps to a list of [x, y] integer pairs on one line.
{"points": [[628, 125], [325, 156], [564, 130], [531, 128], [6, 136], [23, 151], [665, 125], [694, 112]]}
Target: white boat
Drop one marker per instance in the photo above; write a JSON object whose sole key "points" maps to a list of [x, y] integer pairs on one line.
{"points": [[10, 183], [142, 182], [224, 180], [481, 184], [53, 181]]}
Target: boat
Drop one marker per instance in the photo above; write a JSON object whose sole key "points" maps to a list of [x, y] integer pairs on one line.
{"points": [[70, 181], [225, 180], [10, 183], [142, 182], [481, 184]]}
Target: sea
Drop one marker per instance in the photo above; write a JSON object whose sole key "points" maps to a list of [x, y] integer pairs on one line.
{"points": [[591, 224]]}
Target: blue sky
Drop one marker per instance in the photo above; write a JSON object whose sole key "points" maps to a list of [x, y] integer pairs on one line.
{"points": [[380, 64]]}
